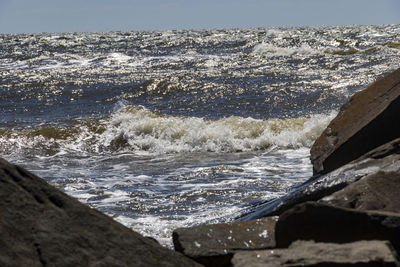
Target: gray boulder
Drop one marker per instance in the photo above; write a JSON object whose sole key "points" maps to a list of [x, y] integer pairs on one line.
{"points": [[214, 244], [379, 191], [308, 253], [41, 226], [368, 120]]}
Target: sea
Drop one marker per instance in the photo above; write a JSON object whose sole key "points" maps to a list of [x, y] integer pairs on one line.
{"points": [[169, 129]]}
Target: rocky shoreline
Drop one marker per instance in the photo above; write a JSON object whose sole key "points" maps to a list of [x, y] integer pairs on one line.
{"points": [[348, 213]]}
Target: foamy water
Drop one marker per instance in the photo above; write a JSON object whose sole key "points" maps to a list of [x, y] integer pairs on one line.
{"points": [[171, 129], [135, 129]]}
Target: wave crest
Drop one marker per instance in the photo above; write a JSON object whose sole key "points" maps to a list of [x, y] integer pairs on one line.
{"points": [[139, 130], [270, 49]]}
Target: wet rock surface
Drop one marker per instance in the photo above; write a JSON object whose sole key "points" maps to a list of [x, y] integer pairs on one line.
{"points": [[215, 244], [365, 122], [41, 226], [309, 253]]}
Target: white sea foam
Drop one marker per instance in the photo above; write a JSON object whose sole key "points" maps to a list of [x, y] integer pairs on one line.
{"points": [[139, 130], [118, 57], [273, 33], [144, 130], [271, 49]]}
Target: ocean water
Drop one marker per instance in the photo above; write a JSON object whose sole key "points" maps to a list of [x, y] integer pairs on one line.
{"points": [[168, 129]]}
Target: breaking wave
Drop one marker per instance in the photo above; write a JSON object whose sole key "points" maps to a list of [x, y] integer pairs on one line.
{"points": [[266, 48], [136, 129]]}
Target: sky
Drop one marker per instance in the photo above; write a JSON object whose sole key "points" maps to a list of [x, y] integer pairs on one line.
{"points": [[36, 16]]}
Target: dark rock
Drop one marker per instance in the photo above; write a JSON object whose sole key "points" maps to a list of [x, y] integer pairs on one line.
{"points": [[391, 148], [214, 244], [41, 226], [385, 158], [308, 253], [324, 223], [367, 121], [379, 191]]}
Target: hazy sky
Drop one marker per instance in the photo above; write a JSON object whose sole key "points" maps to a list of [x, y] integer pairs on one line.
{"points": [[33, 16]]}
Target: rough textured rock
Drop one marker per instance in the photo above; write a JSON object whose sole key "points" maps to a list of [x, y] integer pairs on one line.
{"points": [[308, 253], [379, 191], [385, 158], [214, 244], [41, 226], [364, 123], [324, 223]]}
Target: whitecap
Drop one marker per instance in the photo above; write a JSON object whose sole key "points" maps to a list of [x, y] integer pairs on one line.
{"points": [[271, 49], [118, 58], [140, 129]]}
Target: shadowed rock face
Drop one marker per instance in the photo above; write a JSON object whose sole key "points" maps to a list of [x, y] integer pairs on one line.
{"points": [[364, 123], [41, 226], [324, 223]]}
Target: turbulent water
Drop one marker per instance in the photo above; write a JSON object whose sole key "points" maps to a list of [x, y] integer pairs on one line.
{"points": [[169, 129]]}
